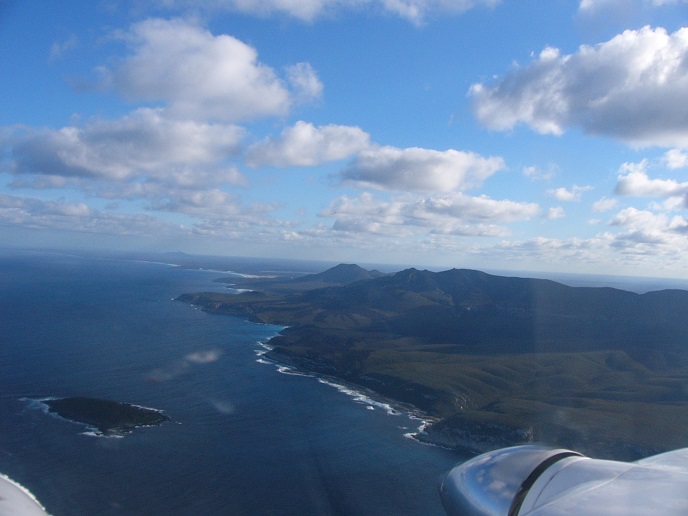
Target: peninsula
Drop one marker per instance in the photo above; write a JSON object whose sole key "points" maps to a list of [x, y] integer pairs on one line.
{"points": [[109, 418], [496, 360]]}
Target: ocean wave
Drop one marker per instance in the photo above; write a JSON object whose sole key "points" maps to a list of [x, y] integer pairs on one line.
{"points": [[361, 397], [357, 394], [239, 290], [280, 368]]}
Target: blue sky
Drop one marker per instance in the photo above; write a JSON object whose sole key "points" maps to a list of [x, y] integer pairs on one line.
{"points": [[543, 135]]}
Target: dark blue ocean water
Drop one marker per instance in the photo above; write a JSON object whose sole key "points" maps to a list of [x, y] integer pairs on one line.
{"points": [[245, 439]]}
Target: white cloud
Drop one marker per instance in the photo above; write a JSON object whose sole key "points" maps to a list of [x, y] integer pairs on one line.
{"points": [[179, 367], [645, 228], [604, 204], [676, 203], [210, 205], [305, 83], [420, 170], [173, 165], [203, 357], [555, 213], [306, 10], [415, 11], [633, 181], [307, 145], [60, 48], [538, 174], [142, 145], [631, 87], [204, 76], [657, 247], [564, 194], [675, 158], [452, 213], [76, 216], [591, 6]]}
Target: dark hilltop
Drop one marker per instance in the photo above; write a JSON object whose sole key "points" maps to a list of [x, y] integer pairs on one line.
{"points": [[342, 274], [496, 360]]}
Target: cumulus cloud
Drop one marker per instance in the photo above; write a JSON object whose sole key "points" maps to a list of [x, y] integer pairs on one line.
{"points": [[675, 158], [420, 170], [592, 6], [200, 202], [555, 213], [415, 11], [564, 194], [306, 85], [307, 145], [631, 87], [212, 206], [646, 227], [170, 165], [77, 216], [143, 144], [633, 181], [452, 213], [664, 250], [604, 204], [204, 76]]}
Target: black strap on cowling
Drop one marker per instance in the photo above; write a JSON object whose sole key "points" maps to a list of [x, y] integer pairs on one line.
{"points": [[534, 475]]}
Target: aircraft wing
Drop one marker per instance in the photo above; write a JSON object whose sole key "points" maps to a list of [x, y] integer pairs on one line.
{"points": [[15, 500], [534, 480]]}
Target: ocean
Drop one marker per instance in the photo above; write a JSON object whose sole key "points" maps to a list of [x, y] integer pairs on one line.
{"points": [[246, 436]]}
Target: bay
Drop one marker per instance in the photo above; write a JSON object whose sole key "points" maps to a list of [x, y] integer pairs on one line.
{"points": [[244, 439]]}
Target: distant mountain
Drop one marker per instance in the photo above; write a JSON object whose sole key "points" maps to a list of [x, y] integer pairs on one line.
{"points": [[341, 274], [474, 311], [508, 314]]}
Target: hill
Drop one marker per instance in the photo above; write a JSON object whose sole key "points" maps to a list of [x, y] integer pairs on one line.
{"points": [[601, 369], [339, 275]]}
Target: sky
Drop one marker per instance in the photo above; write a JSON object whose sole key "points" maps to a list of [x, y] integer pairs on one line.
{"points": [[547, 135]]}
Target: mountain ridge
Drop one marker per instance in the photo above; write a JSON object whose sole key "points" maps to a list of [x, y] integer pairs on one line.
{"points": [[480, 349]]}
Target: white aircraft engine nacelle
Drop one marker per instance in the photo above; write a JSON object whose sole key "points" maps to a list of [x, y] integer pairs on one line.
{"points": [[534, 480]]}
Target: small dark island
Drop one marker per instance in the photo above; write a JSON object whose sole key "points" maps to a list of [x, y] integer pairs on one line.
{"points": [[108, 418]]}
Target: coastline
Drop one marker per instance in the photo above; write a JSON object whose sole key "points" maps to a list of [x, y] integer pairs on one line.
{"points": [[358, 392], [459, 432]]}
